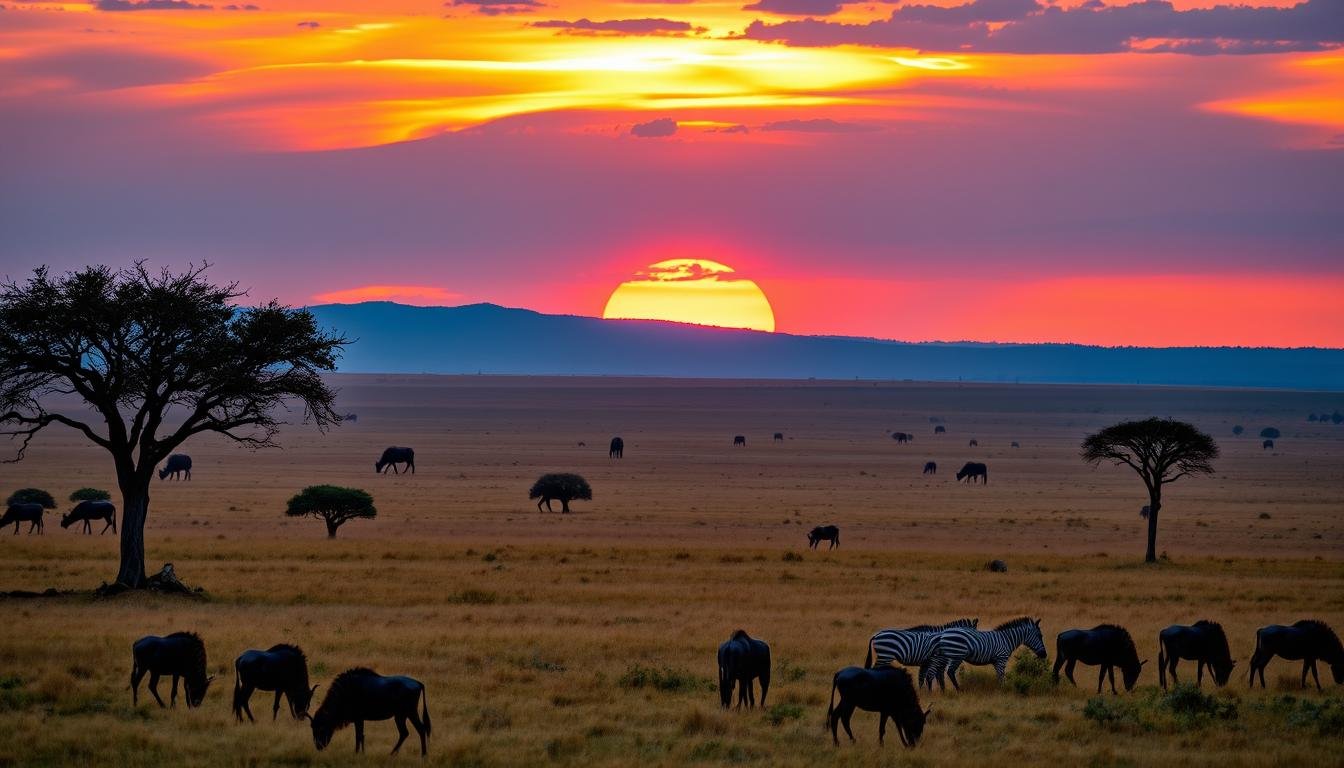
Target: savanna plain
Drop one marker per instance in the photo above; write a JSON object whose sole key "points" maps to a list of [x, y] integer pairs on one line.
{"points": [[589, 638]]}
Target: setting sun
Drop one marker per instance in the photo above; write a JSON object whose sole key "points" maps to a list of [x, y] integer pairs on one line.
{"points": [[695, 291]]}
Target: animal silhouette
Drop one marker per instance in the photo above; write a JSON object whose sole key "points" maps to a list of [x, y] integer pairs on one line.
{"points": [[392, 456], [178, 466], [617, 449]]}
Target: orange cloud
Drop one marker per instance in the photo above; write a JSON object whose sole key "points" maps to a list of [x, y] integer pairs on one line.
{"points": [[404, 294]]}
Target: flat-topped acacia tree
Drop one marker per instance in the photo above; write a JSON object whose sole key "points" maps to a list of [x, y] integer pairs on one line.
{"points": [[139, 362], [1161, 451], [334, 504]]}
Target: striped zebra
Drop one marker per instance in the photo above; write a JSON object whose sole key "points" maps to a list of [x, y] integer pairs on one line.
{"points": [[959, 645], [911, 647]]}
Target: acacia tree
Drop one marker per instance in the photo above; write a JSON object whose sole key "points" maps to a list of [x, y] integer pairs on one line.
{"points": [[1161, 451], [90, 494], [139, 362], [334, 504], [32, 496]]}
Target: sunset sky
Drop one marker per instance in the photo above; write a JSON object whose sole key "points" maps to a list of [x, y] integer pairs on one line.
{"points": [[1019, 170]]}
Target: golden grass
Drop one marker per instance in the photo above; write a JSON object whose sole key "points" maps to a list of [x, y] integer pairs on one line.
{"points": [[590, 639]]}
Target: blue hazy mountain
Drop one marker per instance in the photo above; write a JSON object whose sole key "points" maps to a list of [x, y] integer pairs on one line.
{"points": [[485, 338]]}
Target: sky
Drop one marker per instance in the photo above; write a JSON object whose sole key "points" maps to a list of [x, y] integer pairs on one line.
{"points": [[1091, 171]]}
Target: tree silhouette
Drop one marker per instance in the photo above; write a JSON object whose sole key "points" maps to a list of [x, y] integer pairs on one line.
{"points": [[1237, 430], [90, 494], [32, 496], [1270, 433], [562, 487], [1161, 451], [138, 348], [334, 504]]}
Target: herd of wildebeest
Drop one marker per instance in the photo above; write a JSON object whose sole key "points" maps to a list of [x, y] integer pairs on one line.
{"points": [[882, 685]]}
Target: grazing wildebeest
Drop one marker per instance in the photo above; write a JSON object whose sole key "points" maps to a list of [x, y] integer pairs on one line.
{"points": [[1106, 645], [182, 655], [822, 533], [28, 512], [939, 430], [1014, 445], [743, 659], [888, 691], [1267, 445], [86, 511], [617, 449], [974, 443], [1203, 642], [740, 440], [360, 694], [779, 437], [930, 468], [179, 466], [350, 417], [1145, 511], [394, 455], [959, 645], [1308, 640], [973, 470], [281, 668], [911, 646], [901, 437]]}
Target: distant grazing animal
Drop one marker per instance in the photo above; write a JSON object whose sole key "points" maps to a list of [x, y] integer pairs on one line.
{"points": [[779, 437], [1145, 511], [392, 456], [28, 512], [1014, 445], [87, 511], [617, 449], [930, 468], [1203, 642], [182, 655], [996, 566], [360, 694], [1306, 640], [940, 430], [350, 417], [889, 691], [281, 668], [1267, 445], [901, 437], [179, 466], [822, 533], [973, 470], [912, 646], [959, 645], [974, 443], [743, 659], [740, 440], [1106, 645], [582, 444]]}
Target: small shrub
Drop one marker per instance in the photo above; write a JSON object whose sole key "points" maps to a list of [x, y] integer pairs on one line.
{"points": [[792, 557], [32, 496], [1113, 714], [491, 719], [1326, 717], [474, 597], [665, 679], [697, 721], [90, 494], [780, 713], [1187, 702], [1030, 676]]}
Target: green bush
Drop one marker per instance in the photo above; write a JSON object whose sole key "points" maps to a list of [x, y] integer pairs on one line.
{"points": [[1187, 702], [1030, 676], [1113, 714], [32, 496], [90, 494], [665, 679], [780, 713]]}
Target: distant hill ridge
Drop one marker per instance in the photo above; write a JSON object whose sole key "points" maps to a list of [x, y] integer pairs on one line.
{"points": [[487, 338]]}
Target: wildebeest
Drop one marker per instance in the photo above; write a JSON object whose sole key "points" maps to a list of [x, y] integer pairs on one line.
{"points": [[394, 455], [972, 470], [1106, 645], [1014, 445], [822, 533], [901, 437], [178, 466], [182, 655], [974, 443], [888, 691], [350, 417], [27, 512], [930, 468], [779, 437], [360, 694], [740, 440], [959, 645], [939, 430], [1307, 640], [89, 510], [1145, 511], [743, 659], [281, 668], [617, 449], [1267, 445], [1203, 642]]}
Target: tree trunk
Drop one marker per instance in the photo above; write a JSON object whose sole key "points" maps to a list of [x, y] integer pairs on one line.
{"points": [[332, 525], [134, 510], [1154, 506]]}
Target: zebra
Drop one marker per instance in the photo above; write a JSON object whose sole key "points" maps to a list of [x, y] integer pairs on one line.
{"points": [[959, 645], [911, 646]]}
